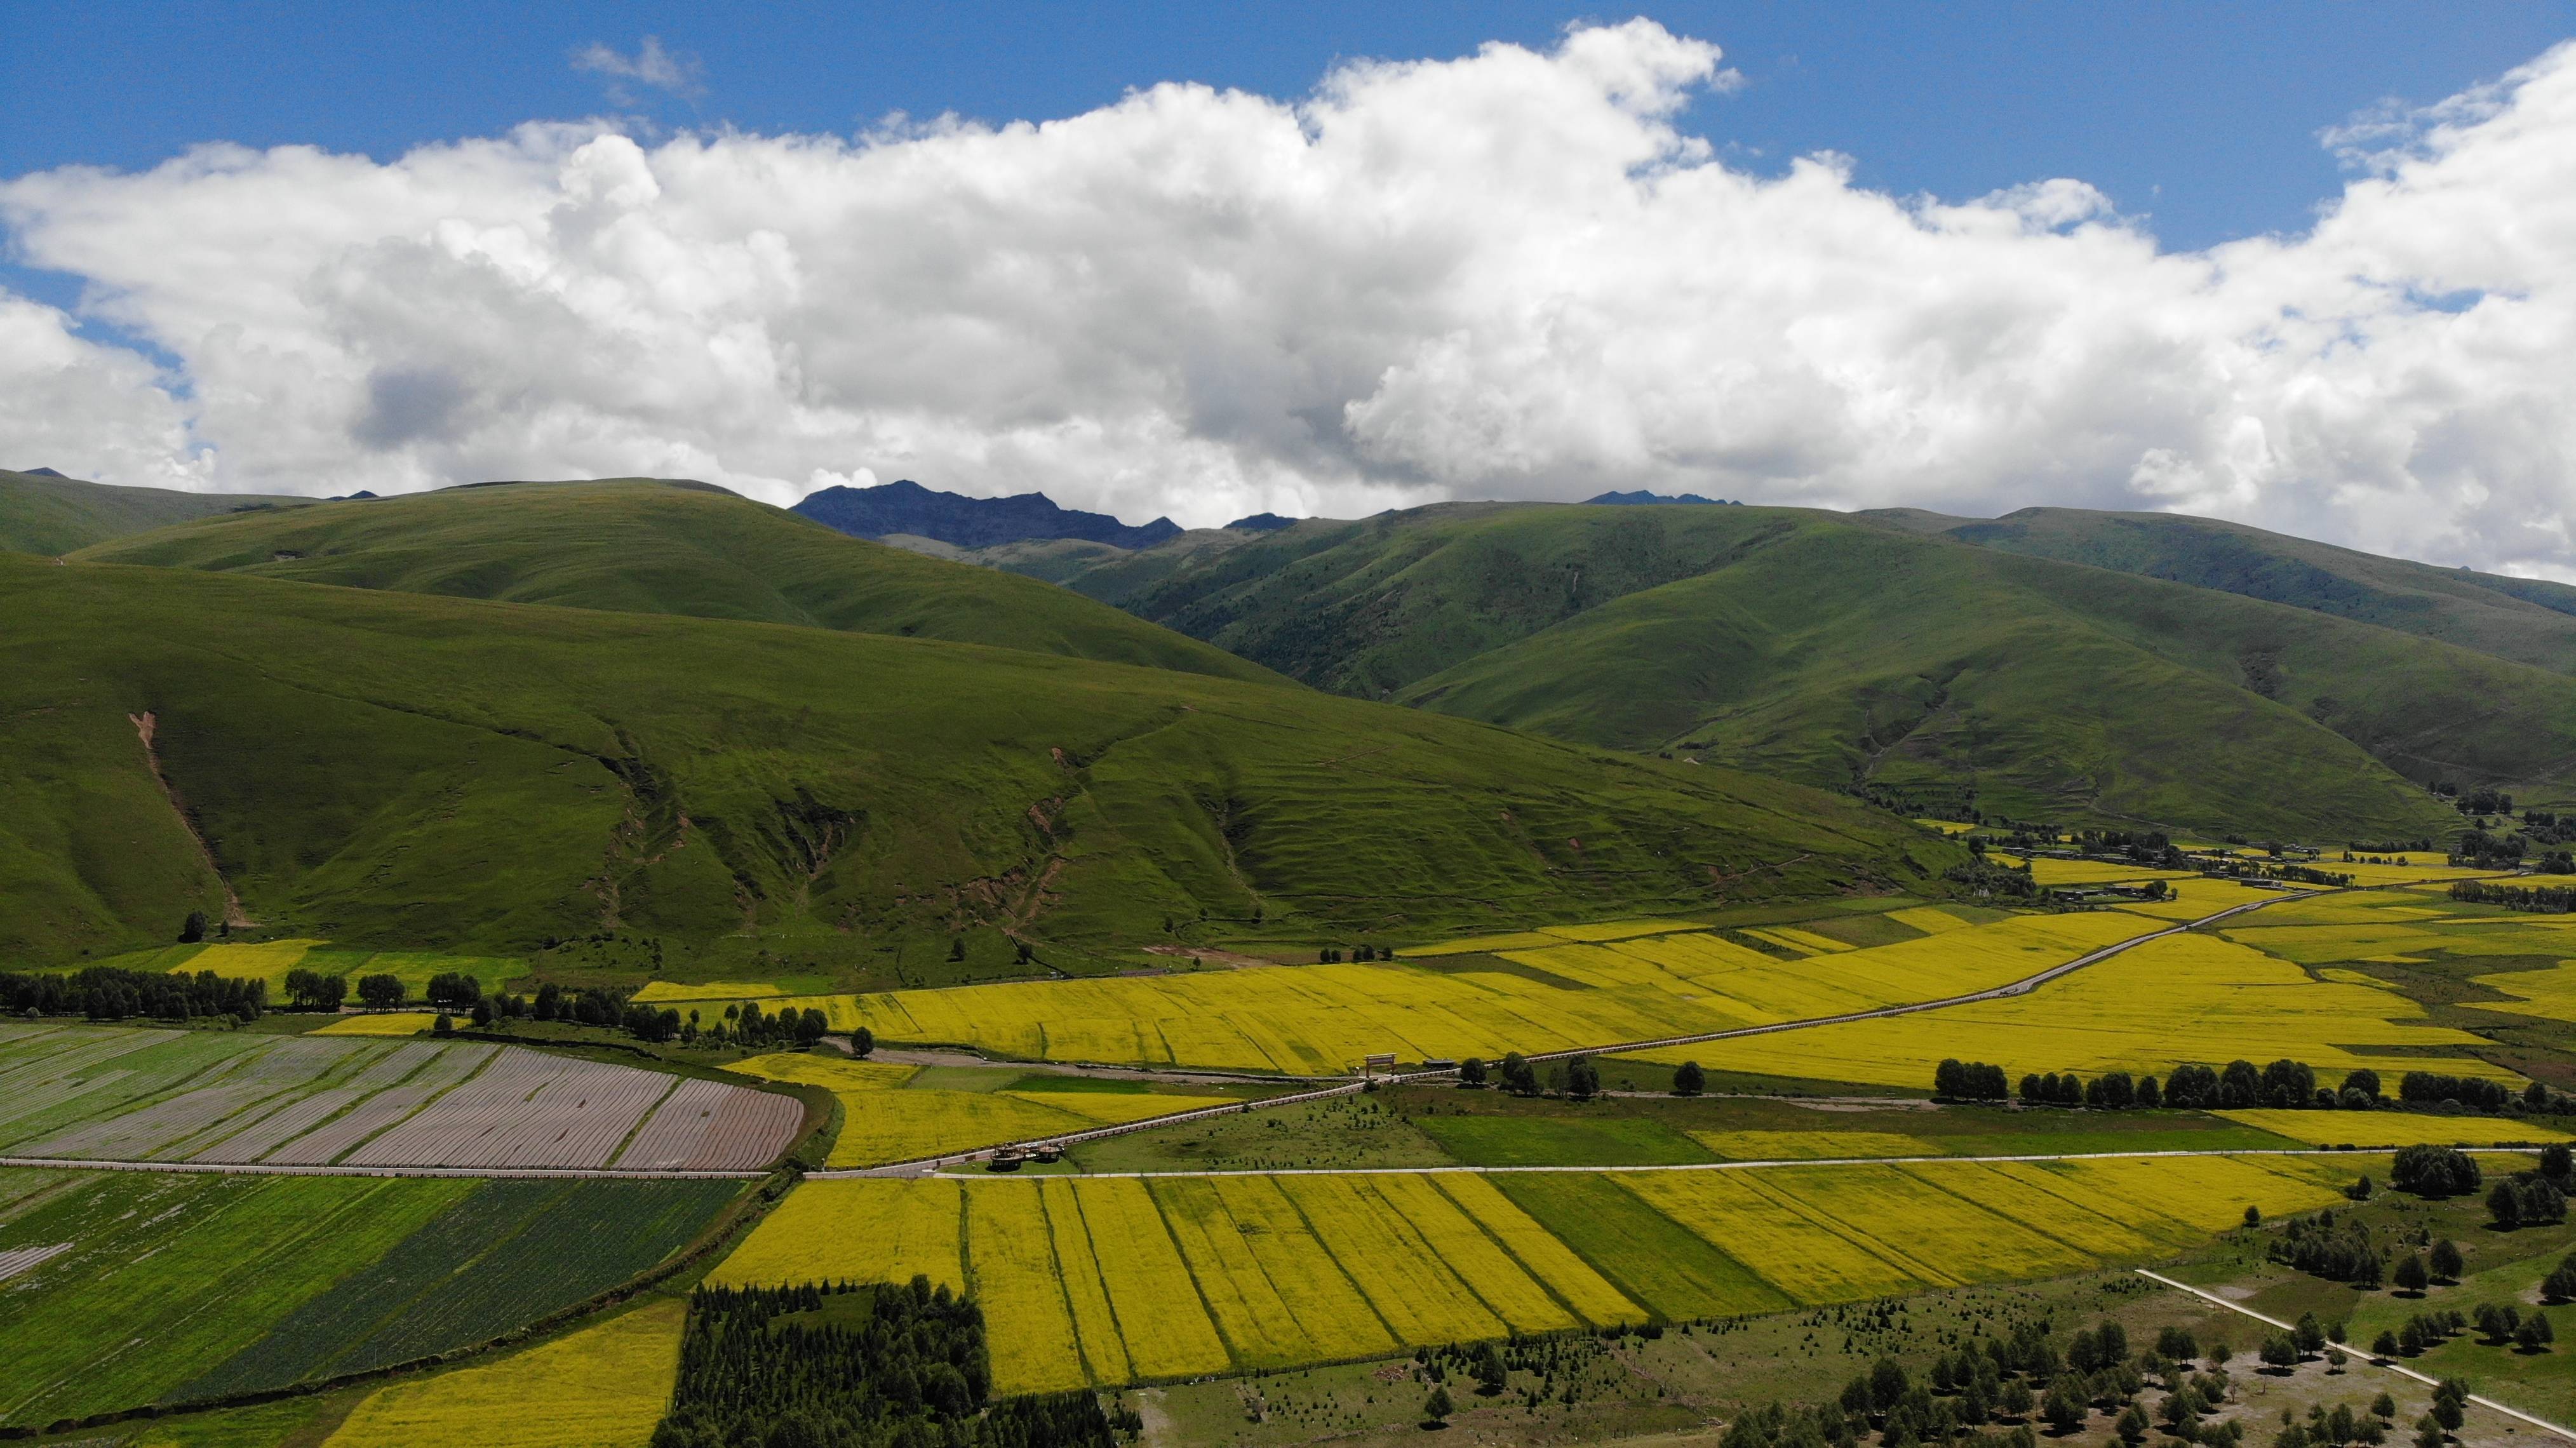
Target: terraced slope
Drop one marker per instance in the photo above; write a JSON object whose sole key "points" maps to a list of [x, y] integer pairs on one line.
{"points": [[403, 771], [1837, 649], [641, 545], [55, 515]]}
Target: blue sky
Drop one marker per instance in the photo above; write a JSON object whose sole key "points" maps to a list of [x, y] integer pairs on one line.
{"points": [[2202, 116], [1586, 258]]}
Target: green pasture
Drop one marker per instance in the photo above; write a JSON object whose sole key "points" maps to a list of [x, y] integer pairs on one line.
{"points": [[404, 772]]}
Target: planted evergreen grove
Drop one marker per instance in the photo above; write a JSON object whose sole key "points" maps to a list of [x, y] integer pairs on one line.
{"points": [[106, 993], [848, 1366]]}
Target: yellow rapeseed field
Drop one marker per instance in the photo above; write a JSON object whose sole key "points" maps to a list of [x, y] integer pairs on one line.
{"points": [[2547, 993], [660, 991], [1322, 1019], [1106, 1280], [1010, 1255], [1566, 1274], [1788, 1248], [1930, 919], [2047, 871], [855, 1229], [269, 960], [2138, 1011], [602, 1387], [2394, 1128], [841, 1077], [1996, 1187], [2200, 896], [882, 1123], [1417, 1295], [1163, 1329], [1930, 1231], [1327, 1305], [1453, 1238], [380, 1023], [1809, 1145], [1095, 1323], [1247, 1308]]}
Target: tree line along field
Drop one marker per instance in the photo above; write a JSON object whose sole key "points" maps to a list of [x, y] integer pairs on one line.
{"points": [[1110, 1280], [125, 1094], [161, 1287]]}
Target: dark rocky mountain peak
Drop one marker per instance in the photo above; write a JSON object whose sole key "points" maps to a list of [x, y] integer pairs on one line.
{"points": [[906, 507], [1643, 497]]}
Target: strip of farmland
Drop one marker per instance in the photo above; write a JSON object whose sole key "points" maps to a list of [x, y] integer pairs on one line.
{"points": [[112, 1094], [1277, 1270], [264, 1282]]}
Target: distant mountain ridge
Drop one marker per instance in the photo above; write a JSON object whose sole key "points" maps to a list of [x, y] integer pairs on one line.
{"points": [[906, 508], [1641, 498]]}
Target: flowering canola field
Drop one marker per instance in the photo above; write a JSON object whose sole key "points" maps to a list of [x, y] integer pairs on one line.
{"points": [[2183, 998], [602, 1385], [1102, 1281], [2389, 1129], [884, 1122], [1634, 981]]}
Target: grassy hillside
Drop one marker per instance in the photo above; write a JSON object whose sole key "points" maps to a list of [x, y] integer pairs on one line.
{"points": [[1836, 649], [2529, 621], [51, 516], [1842, 653], [644, 546], [402, 770]]}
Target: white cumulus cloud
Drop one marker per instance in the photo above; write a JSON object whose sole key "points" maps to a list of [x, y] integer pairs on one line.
{"points": [[1505, 275]]}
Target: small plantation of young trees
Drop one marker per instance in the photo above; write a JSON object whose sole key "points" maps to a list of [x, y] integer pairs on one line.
{"points": [[844, 1366]]}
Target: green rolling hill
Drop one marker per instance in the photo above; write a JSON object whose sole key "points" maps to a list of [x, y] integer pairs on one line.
{"points": [[2527, 620], [1847, 650], [408, 770], [44, 514], [647, 546]]}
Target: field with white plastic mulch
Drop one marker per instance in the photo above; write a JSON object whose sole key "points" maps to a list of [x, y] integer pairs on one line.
{"points": [[110, 1093]]}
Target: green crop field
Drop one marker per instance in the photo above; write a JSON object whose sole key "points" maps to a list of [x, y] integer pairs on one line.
{"points": [[166, 1276], [507, 1254], [173, 1288]]}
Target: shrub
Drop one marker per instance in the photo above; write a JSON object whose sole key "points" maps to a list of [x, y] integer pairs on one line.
{"points": [[2526, 1199], [2435, 1171]]}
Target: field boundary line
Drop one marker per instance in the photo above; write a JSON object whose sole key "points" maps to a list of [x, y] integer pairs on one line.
{"points": [[270, 1168], [2373, 1359]]}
